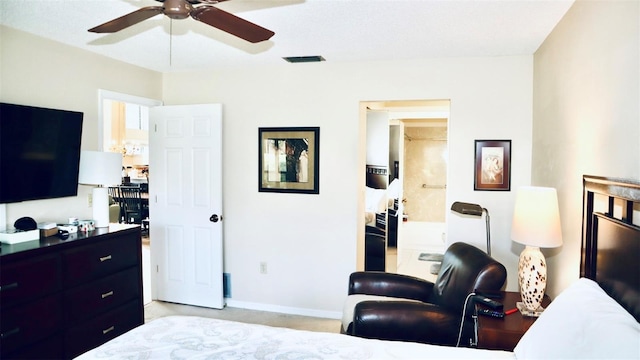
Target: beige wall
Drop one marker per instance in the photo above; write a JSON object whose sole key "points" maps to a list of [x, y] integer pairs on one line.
{"points": [[309, 241], [586, 117], [586, 105], [39, 72]]}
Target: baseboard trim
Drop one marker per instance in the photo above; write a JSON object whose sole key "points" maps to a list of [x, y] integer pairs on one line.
{"points": [[284, 309]]}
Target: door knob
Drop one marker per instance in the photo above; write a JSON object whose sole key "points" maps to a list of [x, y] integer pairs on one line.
{"points": [[215, 218]]}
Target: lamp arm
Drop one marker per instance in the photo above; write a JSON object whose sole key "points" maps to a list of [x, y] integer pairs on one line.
{"points": [[488, 231]]}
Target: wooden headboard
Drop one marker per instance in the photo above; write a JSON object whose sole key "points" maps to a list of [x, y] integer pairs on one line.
{"points": [[610, 240], [377, 176]]}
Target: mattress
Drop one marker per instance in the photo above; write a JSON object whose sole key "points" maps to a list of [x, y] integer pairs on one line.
{"points": [[191, 337]]}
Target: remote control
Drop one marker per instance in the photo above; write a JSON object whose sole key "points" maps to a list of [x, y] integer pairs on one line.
{"points": [[489, 302], [492, 313]]}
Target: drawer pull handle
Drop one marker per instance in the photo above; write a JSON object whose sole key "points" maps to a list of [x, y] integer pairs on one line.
{"points": [[110, 293], [108, 330], [9, 333], [105, 258], [9, 287]]}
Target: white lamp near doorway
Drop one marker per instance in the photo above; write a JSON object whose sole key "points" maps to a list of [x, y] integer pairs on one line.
{"points": [[536, 224], [101, 169]]}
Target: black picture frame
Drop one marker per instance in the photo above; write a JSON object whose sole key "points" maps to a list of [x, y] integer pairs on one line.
{"points": [[289, 159], [492, 165]]}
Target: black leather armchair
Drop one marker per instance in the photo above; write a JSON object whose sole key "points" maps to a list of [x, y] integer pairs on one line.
{"points": [[434, 316]]}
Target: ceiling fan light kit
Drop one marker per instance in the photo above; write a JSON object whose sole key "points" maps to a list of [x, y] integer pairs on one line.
{"points": [[182, 9]]}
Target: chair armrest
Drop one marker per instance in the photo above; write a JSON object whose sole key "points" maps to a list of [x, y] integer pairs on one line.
{"points": [[389, 284], [402, 321]]}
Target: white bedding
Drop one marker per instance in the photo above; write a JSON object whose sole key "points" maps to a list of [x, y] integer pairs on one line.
{"points": [[582, 322], [375, 202], [378, 200], [190, 337]]}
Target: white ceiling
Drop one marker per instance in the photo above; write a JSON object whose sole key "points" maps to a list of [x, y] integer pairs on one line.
{"points": [[338, 30]]}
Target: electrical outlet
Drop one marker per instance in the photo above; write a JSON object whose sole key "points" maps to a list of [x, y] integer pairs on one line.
{"points": [[263, 267], [90, 197]]}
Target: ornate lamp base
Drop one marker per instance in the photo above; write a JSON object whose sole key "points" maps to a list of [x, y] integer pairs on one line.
{"points": [[532, 277], [526, 312]]}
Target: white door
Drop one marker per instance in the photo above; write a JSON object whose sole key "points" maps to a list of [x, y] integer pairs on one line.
{"points": [[185, 189]]}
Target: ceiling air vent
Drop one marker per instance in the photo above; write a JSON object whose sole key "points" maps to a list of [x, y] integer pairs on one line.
{"points": [[304, 59]]}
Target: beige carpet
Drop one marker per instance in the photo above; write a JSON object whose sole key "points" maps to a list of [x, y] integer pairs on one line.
{"points": [[157, 309]]}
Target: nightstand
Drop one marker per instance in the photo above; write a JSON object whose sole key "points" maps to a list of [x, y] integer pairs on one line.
{"points": [[504, 334]]}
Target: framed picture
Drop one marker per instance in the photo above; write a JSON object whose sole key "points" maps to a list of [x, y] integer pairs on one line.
{"points": [[493, 165], [289, 159]]}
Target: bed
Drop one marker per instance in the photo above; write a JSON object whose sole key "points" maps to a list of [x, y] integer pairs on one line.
{"points": [[380, 213], [595, 317], [376, 199]]}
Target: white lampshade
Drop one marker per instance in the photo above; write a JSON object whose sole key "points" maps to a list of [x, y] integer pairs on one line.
{"points": [[536, 218], [102, 169], [536, 224]]}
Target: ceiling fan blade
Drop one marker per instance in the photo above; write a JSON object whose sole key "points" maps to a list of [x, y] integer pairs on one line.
{"points": [[128, 20], [232, 24], [197, 2], [209, 2]]}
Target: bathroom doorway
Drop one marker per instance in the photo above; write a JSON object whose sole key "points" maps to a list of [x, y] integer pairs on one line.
{"points": [[417, 133]]}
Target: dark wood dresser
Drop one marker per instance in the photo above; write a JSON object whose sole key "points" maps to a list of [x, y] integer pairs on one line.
{"points": [[60, 298]]}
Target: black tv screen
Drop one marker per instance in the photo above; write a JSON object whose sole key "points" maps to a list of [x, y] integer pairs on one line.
{"points": [[39, 152]]}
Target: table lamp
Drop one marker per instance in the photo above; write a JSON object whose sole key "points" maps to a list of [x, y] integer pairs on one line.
{"points": [[474, 210], [100, 168], [536, 224]]}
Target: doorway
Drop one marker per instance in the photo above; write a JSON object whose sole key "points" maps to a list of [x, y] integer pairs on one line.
{"points": [[417, 133], [123, 127]]}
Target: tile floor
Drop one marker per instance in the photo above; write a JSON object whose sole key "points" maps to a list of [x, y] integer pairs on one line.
{"points": [[417, 239]]}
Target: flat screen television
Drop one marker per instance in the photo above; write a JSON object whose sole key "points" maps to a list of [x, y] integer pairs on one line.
{"points": [[39, 152]]}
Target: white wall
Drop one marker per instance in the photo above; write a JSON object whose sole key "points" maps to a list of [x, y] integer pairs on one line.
{"points": [[309, 241], [39, 72], [586, 113], [378, 138], [586, 120]]}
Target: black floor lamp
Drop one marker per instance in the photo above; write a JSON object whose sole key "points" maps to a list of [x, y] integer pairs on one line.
{"points": [[465, 209], [474, 210]]}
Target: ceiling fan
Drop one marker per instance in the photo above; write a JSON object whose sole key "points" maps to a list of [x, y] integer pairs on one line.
{"points": [[182, 9]]}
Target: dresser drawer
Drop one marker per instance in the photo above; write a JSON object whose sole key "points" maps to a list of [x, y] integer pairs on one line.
{"points": [[28, 279], [84, 337], [27, 323], [93, 261], [49, 348], [86, 301]]}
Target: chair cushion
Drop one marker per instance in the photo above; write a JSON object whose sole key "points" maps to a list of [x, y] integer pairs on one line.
{"points": [[353, 300]]}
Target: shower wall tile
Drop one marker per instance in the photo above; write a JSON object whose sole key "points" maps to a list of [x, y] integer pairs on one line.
{"points": [[425, 174]]}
